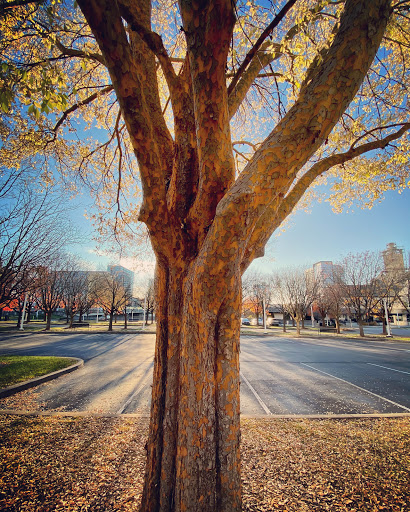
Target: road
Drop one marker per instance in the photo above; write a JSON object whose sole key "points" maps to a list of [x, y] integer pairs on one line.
{"points": [[279, 376]]}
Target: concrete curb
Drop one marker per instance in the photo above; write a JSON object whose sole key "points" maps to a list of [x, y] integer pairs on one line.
{"points": [[257, 417], [21, 386]]}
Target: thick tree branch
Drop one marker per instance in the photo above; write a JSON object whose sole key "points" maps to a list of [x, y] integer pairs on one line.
{"points": [[153, 41], [133, 75], [72, 52], [321, 103], [208, 28], [279, 209]]}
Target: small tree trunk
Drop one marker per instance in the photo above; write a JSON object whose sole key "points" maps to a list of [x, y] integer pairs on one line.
{"points": [[337, 325], [384, 325], [28, 310], [361, 329], [110, 321], [19, 317], [297, 325], [48, 320], [284, 321]]}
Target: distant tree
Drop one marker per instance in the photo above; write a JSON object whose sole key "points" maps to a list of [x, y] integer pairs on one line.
{"points": [[297, 291], [334, 292], [150, 303], [49, 283], [279, 296], [404, 295], [256, 291], [359, 284], [33, 228], [77, 297], [110, 293], [329, 296]]}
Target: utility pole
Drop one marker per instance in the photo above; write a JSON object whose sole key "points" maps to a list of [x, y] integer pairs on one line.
{"points": [[264, 314], [23, 313], [387, 318], [145, 309]]}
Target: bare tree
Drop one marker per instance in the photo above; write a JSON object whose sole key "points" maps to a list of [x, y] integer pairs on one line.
{"points": [[50, 287], [150, 300], [359, 284], [297, 291], [256, 291], [404, 296], [77, 298], [33, 228], [334, 292], [110, 293]]}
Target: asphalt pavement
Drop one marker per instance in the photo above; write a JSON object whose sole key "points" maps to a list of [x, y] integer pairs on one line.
{"points": [[279, 375]]}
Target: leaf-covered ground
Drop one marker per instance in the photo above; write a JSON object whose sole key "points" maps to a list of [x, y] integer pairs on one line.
{"points": [[96, 464]]}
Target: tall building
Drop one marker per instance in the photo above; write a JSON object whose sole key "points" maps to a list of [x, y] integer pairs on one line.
{"points": [[393, 258], [324, 272], [124, 275]]}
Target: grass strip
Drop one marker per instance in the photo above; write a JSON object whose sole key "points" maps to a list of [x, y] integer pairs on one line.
{"points": [[15, 369]]}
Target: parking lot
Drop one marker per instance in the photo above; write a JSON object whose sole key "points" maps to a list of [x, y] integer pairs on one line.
{"points": [[323, 376], [279, 375]]}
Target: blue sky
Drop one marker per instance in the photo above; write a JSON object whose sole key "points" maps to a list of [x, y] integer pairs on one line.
{"points": [[325, 235]]}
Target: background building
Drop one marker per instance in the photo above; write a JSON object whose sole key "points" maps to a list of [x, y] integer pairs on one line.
{"points": [[323, 272], [124, 275], [393, 258]]}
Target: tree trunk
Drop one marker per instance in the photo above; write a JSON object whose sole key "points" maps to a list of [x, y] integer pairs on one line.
{"points": [[28, 311], [19, 317], [48, 320], [110, 321], [361, 329], [384, 325], [193, 447], [206, 226], [284, 321], [297, 319]]}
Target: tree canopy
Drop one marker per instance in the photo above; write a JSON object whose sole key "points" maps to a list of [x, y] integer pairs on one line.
{"points": [[60, 111]]}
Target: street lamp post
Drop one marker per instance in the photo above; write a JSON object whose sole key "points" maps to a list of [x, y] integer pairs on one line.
{"points": [[23, 313], [145, 309], [264, 314]]}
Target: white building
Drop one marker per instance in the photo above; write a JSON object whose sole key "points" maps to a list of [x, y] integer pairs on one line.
{"points": [[124, 275], [323, 272]]}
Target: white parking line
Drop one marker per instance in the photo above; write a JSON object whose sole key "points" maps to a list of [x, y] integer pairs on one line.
{"points": [[357, 387], [258, 398], [387, 368]]}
